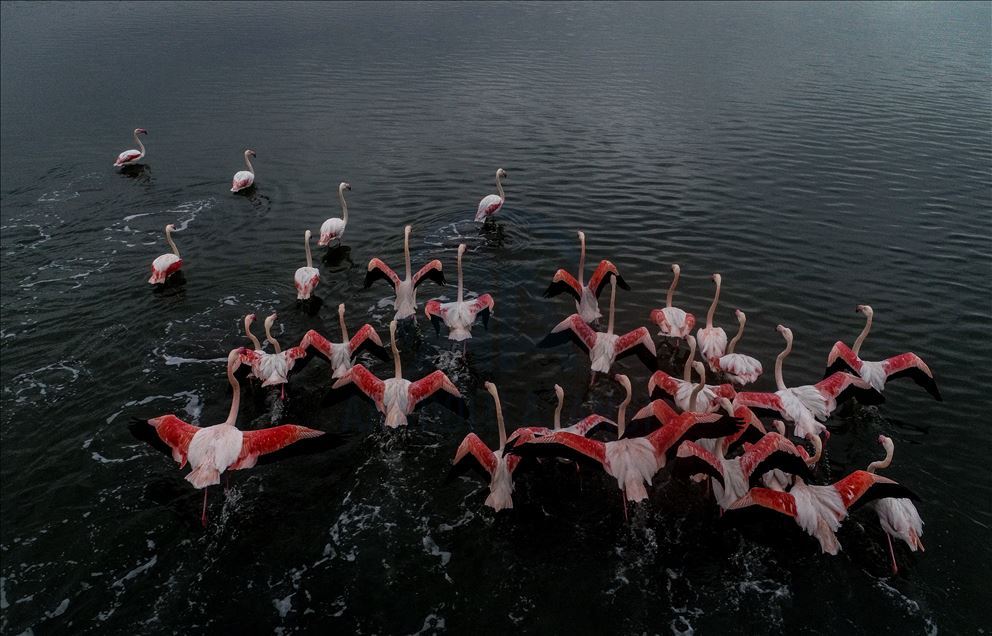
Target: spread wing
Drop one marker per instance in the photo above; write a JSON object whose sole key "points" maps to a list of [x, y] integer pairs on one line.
{"points": [[377, 269], [366, 382], [773, 452], [436, 313], [475, 446], [563, 282], [572, 328], [176, 434], [604, 270], [912, 366], [430, 271], [563, 444], [781, 502], [841, 358], [842, 386], [693, 459], [638, 342], [430, 384], [270, 440], [767, 402], [861, 487], [367, 338]]}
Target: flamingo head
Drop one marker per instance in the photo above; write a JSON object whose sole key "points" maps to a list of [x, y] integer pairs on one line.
{"points": [[624, 381], [344, 186], [140, 131], [741, 317], [250, 152], [249, 319], [492, 390], [786, 332], [727, 406], [341, 309], [864, 309], [716, 278], [886, 443], [501, 173], [461, 249], [270, 319], [170, 228], [699, 369], [407, 230], [559, 392], [691, 341], [675, 268], [306, 235], [779, 426]]}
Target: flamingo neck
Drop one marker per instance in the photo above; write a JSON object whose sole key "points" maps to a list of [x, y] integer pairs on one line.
{"points": [[818, 451], [671, 290], [687, 369], [172, 244], [694, 396], [251, 336], [861, 337], [499, 186], [622, 416], [779, 381], [270, 338], [251, 169], [306, 244], [232, 415], [582, 260], [141, 146], [613, 302], [561, 400], [396, 357], [499, 423], [737, 338], [344, 327], [460, 290], [884, 463], [344, 205], [709, 314], [406, 253]]}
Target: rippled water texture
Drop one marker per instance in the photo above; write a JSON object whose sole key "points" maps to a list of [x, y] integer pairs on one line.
{"points": [[818, 156]]}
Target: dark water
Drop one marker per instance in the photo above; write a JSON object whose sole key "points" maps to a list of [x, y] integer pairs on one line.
{"points": [[818, 156]]}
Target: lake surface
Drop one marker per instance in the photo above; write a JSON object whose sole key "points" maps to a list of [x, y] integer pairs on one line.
{"points": [[818, 156]]}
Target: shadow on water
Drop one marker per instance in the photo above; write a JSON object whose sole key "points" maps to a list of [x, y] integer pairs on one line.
{"points": [[337, 258]]}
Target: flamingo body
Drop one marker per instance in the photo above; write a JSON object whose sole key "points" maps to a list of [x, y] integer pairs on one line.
{"points": [[242, 180], [271, 368], [499, 465], [305, 280], [900, 518], [712, 343], [341, 353], [163, 266], [128, 156], [460, 316], [331, 230], [877, 373], [673, 322], [739, 368], [488, 206]]}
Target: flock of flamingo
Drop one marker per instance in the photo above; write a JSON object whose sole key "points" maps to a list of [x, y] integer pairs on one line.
{"points": [[709, 433]]}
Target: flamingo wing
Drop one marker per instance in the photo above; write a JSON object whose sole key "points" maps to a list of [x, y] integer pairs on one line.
{"points": [[842, 386], [767, 402], [366, 382], [693, 459], [842, 358], [563, 282], [526, 433], [661, 381], [563, 444], [313, 339], [604, 270], [366, 338], [483, 307], [270, 440], [176, 433], [430, 271], [861, 487], [912, 366], [430, 384], [659, 409], [692, 427], [588, 424], [477, 448], [376, 270], [437, 313], [638, 342], [773, 452], [778, 501], [572, 328]]}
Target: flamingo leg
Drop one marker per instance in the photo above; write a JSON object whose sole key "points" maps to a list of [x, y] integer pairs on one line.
{"points": [[623, 498], [282, 392], [892, 553], [203, 515]]}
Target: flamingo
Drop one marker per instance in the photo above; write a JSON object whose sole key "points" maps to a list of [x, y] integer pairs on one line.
{"points": [[341, 353], [333, 228], [167, 264], [406, 289], [898, 516], [306, 278], [211, 450], [739, 368], [876, 373], [243, 179], [819, 509], [491, 203], [633, 461], [604, 347], [583, 427], [271, 368], [498, 464], [681, 389], [586, 296], [130, 157], [805, 406], [460, 315], [672, 321], [396, 397], [712, 340]]}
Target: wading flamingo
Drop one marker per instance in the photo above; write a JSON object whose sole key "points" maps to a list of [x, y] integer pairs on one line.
{"points": [[129, 157], [333, 228], [244, 179], [341, 353], [460, 315], [681, 389], [211, 450], [739, 369], [809, 405], [604, 348], [672, 321], [491, 203], [898, 516], [583, 427], [819, 509], [167, 264], [842, 358], [271, 368], [712, 340], [586, 296], [500, 466], [396, 397], [306, 278], [406, 289]]}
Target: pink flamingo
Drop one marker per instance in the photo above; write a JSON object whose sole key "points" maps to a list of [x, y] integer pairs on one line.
{"points": [[129, 157], [460, 315], [271, 368], [672, 321], [211, 450], [586, 296], [498, 464], [805, 406], [604, 348], [491, 203], [898, 516], [167, 264], [244, 179], [333, 228], [583, 427], [396, 397], [341, 353], [876, 373], [712, 340], [740, 369], [681, 389], [406, 289], [819, 509], [306, 278]]}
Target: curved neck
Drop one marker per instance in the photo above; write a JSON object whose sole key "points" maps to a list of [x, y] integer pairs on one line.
{"points": [[582, 260], [499, 186], [818, 450], [694, 396], [671, 290], [270, 338], [613, 302], [861, 338], [306, 244], [141, 146], [779, 381], [344, 327], [687, 369], [709, 314], [251, 336], [396, 354], [344, 205], [248, 163], [172, 244], [622, 416], [737, 338], [406, 253], [884, 463], [232, 415], [460, 276]]}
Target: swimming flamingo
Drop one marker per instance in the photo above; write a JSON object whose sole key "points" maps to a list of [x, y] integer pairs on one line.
{"points": [[460, 315], [396, 397], [333, 228], [583, 427], [406, 289], [876, 373], [167, 264], [739, 368], [586, 296], [500, 466], [681, 389], [306, 278], [672, 321], [809, 405], [898, 516], [604, 347], [712, 340], [271, 368], [491, 204], [244, 179], [129, 157], [341, 353], [819, 509], [211, 450]]}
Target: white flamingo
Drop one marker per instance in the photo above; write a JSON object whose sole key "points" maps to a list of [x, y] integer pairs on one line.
{"points": [[306, 278], [244, 179], [132, 156], [333, 228]]}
